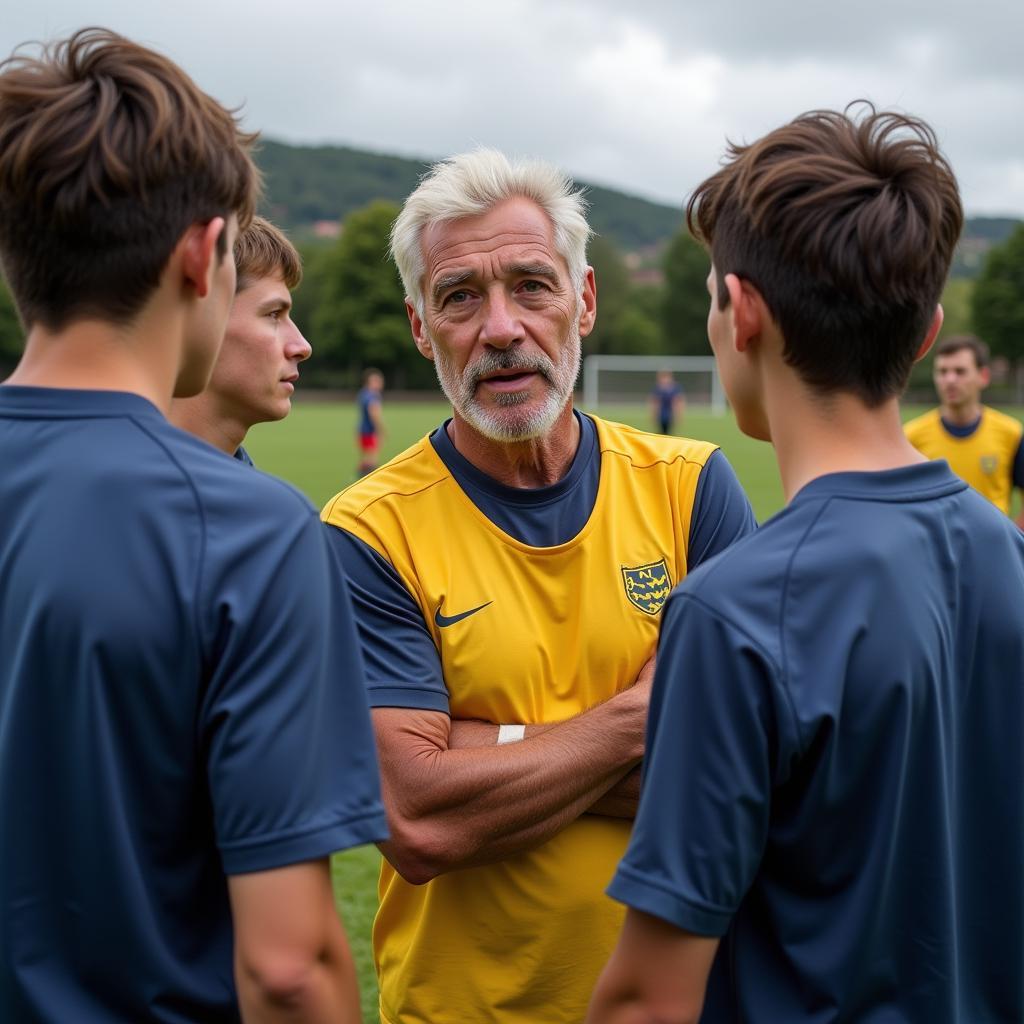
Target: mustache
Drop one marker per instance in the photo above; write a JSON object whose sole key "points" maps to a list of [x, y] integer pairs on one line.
{"points": [[509, 359]]}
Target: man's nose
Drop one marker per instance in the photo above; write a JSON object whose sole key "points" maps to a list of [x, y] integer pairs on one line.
{"points": [[298, 348], [501, 326]]}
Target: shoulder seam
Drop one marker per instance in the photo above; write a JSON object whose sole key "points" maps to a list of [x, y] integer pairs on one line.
{"points": [[679, 457]]}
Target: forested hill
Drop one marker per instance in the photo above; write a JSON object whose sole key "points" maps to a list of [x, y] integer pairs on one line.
{"points": [[307, 184]]}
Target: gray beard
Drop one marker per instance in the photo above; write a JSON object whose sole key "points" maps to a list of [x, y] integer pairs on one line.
{"points": [[560, 379]]}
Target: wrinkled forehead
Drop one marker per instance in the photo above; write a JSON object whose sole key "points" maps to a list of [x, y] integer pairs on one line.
{"points": [[514, 231]]}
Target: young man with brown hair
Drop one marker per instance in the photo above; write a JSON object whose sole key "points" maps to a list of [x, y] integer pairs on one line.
{"points": [[982, 445], [256, 371], [180, 697], [830, 820]]}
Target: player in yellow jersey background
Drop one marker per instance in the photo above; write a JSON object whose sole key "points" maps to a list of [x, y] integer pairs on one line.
{"points": [[981, 445], [508, 573]]}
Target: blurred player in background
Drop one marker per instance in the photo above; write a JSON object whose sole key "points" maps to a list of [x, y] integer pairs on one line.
{"points": [[257, 369], [180, 695], [668, 403], [371, 423], [982, 445], [830, 826]]}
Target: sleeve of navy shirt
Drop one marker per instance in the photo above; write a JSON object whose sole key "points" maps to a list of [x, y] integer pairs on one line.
{"points": [[719, 736], [403, 668], [291, 758], [1018, 466], [721, 512]]}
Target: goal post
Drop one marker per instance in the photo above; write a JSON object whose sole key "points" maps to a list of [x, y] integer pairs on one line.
{"points": [[594, 366]]}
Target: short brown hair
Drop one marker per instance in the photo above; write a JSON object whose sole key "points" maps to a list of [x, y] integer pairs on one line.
{"points": [[108, 152], [958, 342], [846, 225], [262, 250]]}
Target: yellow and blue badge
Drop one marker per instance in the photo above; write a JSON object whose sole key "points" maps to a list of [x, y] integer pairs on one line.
{"points": [[989, 464], [647, 586]]}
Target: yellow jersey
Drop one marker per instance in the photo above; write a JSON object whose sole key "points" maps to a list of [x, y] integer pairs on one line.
{"points": [[554, 631], [984, 459]]}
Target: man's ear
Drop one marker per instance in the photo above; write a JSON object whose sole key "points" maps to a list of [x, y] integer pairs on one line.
{"points": [[747, 310], [199, 256], [588, 303], [933, 333], [419, 331]]}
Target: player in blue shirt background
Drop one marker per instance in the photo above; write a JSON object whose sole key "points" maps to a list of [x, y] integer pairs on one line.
{"points": [[830, 822], [371, 423], [184, 735], [667, 402]]}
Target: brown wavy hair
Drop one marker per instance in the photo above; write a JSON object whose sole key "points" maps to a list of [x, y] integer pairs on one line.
{"points": [[846, 224], [262, 250], [108, 152]]}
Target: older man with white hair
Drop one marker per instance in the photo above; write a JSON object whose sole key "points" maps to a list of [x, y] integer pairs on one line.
{"points": [[509, 571]]}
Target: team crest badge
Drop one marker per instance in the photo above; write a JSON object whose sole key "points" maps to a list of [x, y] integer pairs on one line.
{"points": [[989, 464], [647, 586]]}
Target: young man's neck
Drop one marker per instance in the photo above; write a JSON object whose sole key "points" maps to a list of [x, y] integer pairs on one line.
{"points": [[815, 435], [101, 356], [200, 416]]}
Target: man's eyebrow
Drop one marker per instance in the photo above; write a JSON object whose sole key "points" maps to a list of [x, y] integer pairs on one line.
{"points": [[449, 280], [277, 302], [534, 270]]}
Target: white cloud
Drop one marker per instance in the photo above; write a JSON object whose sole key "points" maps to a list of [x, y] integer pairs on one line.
{"points": [[638, 96]]}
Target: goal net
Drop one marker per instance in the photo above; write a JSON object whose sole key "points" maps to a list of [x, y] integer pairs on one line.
{"points": [[629, 380]]}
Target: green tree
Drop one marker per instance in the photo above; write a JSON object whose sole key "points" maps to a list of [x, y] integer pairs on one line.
{"points": [[997, 304], [612, 277], [359, 319], [684, 311]]}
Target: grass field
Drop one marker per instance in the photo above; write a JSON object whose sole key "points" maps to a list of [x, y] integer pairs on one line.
{"points": [[314, 449]]}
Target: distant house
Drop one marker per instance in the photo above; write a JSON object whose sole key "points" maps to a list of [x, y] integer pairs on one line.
{"points": [[327, 228]]}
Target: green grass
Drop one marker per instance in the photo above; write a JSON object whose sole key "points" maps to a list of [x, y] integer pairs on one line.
{"points": [[315, 450]]}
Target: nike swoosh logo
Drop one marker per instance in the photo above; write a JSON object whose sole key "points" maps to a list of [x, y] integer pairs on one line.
{"points": [[450, 620]]}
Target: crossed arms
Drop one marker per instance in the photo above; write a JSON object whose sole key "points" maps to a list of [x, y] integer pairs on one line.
{"points": [[456, 799]]}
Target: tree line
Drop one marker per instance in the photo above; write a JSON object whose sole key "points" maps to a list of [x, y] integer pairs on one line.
{"points": [[351, 304]]}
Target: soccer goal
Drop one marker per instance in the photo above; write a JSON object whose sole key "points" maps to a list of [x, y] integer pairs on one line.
{"points": [[628, 380]]}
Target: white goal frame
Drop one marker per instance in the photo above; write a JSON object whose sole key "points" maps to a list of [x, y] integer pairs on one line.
{"points": [[594, 364]]}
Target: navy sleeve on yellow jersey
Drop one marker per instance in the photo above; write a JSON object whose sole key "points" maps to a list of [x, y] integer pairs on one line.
{"points": [[1018, 467], [401, 662], [721, 512]]}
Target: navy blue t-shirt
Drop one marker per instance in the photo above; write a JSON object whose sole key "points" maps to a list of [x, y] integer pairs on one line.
{"points": [[366, 398], [398, 650], [181, 697], [834, 778]]}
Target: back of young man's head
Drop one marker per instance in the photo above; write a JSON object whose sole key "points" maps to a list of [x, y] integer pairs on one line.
{"points": [[846, 225], [108, 152], [262, 250]]}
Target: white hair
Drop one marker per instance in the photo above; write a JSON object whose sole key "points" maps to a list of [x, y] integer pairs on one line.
{"points": [[470, 184]]}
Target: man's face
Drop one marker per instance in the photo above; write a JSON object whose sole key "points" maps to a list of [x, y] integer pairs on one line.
{"points": [[958, 378], [254, 377], [502, 322]]}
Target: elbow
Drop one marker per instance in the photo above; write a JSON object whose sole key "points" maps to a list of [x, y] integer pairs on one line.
{"points": [[420, 852], [283, 980]]}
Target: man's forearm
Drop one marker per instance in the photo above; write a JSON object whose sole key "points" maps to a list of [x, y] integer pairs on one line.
{"points": [[453, 805]]}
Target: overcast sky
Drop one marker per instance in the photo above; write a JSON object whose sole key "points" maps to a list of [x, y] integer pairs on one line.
{"points": [[635, 94]]}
